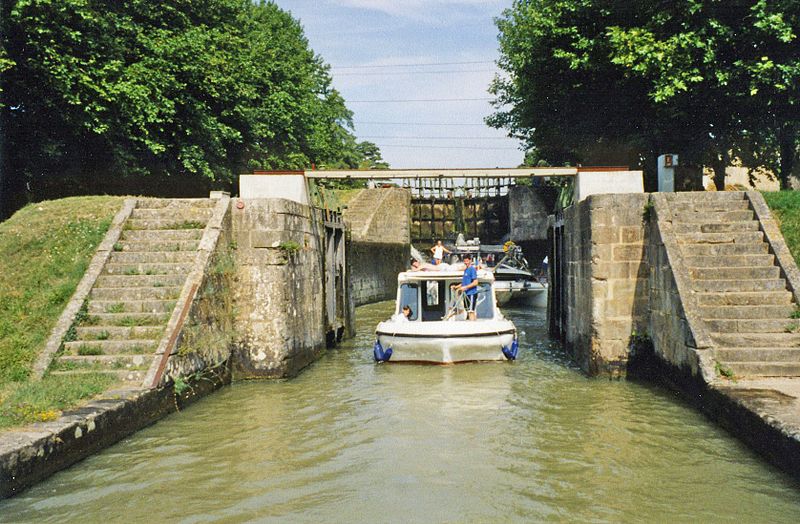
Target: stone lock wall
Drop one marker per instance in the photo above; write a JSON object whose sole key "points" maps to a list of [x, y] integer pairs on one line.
{"points": [[280, 313], [606, 274], [374, 270]]}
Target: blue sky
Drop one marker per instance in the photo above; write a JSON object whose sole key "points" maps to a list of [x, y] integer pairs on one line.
{"points": [[396, 33]]}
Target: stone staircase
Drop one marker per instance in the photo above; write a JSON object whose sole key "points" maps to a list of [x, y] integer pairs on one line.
{"points": [[128, 308], [379, 215], [740, 292]]}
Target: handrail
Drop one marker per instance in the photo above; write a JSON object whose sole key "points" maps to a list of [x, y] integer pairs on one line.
{"points": [[162, 364], [776, 242]]}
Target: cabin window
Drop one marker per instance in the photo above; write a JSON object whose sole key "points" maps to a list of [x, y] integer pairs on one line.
{"points": [[433, 300], [409, 296], [483, 304]]}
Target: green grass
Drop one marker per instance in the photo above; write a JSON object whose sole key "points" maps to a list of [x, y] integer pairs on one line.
{"points": [[44, 400], [85, 350], [117, 307], [45, 249], [188, 224], [785, 206], [344, 196]]}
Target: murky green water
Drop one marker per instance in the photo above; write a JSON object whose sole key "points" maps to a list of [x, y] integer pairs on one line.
{"points": [[352, 441]]}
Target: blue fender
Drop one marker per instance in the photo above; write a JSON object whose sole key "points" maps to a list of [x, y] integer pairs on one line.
{"points": [[511, 352], [380, 354]]}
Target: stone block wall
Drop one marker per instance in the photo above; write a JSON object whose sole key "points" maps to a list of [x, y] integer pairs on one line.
{"points": [[373, 270], [527, 214], [280, 315], [606, 275]]}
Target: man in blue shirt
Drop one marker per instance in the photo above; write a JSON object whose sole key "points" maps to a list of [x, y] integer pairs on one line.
{"points": [[469, 285]]}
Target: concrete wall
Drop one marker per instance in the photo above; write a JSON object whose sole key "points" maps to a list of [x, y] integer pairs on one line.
{"points": [[380, 243], [280, 310], [599, 182], [605, 271]]}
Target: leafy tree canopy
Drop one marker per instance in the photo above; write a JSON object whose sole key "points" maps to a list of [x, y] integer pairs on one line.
{"points": [[168, 97], [703, 78]]}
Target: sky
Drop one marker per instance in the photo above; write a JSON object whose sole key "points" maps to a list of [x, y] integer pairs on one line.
{"points": [[384, 51]]}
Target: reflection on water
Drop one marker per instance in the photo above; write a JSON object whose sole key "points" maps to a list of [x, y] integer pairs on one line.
{"points": [[352, 441]]}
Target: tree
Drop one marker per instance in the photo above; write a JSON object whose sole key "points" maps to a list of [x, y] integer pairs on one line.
{"points": [[370, 156], [663, 76], [170, 97]]}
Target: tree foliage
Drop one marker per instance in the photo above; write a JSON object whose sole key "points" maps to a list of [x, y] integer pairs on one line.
{"points": [[703, 78], [167, 97]]}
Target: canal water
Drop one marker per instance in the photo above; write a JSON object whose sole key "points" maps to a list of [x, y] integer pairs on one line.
{"points": [[352, 441]]}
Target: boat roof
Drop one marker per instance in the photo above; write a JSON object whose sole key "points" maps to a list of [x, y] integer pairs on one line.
{"points": [[413, 276]]}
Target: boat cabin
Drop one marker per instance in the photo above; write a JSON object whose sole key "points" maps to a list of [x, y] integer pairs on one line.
{"points": [[430, 297]]}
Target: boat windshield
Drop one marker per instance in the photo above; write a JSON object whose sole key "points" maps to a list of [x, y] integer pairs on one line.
{"points": [[483, 305], [437, 300]]}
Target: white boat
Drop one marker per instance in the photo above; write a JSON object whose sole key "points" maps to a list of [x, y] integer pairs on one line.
{"points": [[437, 330], [521, 291], [515, 282]]}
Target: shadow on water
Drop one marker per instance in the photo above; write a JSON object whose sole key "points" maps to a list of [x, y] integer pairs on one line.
{"points": [[353, 441]]}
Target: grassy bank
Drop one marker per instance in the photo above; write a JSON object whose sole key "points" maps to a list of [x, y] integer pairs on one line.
{"points": [[785, 206], [45, 249]]}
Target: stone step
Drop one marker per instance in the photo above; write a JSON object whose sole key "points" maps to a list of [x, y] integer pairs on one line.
{"points": [[705, 196], [755, 354], [746, 312], [723, 286], [148, 268], [713, 250], [175, 203], [201, 214], [129, 376], [712, 217], [165, 245], [108, 362], [138, 224], [729, 260], [157, 257], [709, 206], [129, 319], [104, 281], [160, 235], [131, 306], [733, 273], [746, 237], [119, 332], [765, 369], [757, 340], [706, 227], [110, 347], [745, 298], [121, 294], [761, 325]]}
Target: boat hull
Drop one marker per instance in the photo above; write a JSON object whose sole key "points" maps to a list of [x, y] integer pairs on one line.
{"points": [[446, 349], [521, 293]]}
